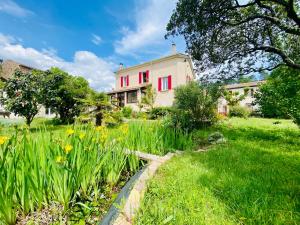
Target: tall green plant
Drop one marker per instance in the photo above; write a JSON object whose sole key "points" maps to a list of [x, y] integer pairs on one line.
{"points": [[195, 105]]}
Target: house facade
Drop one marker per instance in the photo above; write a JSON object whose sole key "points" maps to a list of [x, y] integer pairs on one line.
{"points": [[252, 87], [163, 75], [7, 69]]}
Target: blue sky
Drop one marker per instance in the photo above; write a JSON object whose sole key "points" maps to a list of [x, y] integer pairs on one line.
{"points": [[88, 38]]}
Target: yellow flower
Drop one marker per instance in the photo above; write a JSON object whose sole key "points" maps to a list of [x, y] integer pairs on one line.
{"points": [[124, 129], [68, 148], [103, 133], [3, 139], [100, 128], [59, 159], [70, 131], [81, 136]]}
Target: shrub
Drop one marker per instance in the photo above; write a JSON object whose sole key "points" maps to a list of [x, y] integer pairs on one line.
{"points": [[127, 111], [195, 106], [239, 111], [159, 112], [280, 96]]}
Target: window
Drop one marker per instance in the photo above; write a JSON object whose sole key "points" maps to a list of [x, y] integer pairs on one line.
{"points": [[144, 77], [131, 96], [145, 80], [164, 85], [125, 81]]}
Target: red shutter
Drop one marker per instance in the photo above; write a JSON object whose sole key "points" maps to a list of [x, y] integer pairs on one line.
{"points": [[127, 81], [159, 84], [147, 75], [121, 81], [169, 82], [140, 77]]}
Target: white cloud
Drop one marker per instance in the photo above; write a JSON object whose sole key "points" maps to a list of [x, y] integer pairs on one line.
{"points": [[96, 70], [151, 18], [97, 40], [12, 8]]}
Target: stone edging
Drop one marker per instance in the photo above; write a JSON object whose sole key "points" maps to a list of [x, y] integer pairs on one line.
{"points": [[131, 205]]}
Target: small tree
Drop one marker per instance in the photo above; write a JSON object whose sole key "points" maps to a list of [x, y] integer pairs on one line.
{"points": [[234, 98], [148, 100], [23, 92], [97, 105], [195, 105]]}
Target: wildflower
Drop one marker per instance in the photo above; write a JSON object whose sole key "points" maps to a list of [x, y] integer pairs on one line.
{"points": [[68, 148], [124, 129], [3, 139], [103, 133], [59, 159], [70, 131], [81, 136], [100, 128]]}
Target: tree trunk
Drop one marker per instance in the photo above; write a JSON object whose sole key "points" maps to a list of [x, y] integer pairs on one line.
{"points": [[99, 117]]}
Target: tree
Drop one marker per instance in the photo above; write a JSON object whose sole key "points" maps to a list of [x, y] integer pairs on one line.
{"points": [[97, 105], [147, 101], [62, 93], [23, 92], [195, 105], [229, 37], [280, 95], [234, 98]]}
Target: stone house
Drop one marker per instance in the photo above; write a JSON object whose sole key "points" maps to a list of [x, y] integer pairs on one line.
{"points": [[252, 87], [163, 75]]}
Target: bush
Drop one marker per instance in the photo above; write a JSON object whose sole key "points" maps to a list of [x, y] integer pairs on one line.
{"points": [[195, 106], [127, 111], [159, 112], [279, 97], [239, 111], [113, 118]]}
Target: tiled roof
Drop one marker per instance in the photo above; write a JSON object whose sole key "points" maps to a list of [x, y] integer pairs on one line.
{"points": [[248, 84]]}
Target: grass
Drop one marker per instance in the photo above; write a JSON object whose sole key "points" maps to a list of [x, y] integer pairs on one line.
{"points": [[252, 179]]}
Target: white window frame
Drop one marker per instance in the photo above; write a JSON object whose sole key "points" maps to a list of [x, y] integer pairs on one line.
{"points": [[125, 81], [164, 84]]}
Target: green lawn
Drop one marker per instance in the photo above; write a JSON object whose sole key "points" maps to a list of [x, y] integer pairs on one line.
{"points": [[252, 179]]}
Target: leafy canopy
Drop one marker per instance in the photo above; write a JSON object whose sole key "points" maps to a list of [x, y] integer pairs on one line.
{"points": [[23, 95], [229, 37], [280, 95], [63, 92]]}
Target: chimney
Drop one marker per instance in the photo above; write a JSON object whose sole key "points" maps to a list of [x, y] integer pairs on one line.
{"points": [[173, 49], [121, 66]]}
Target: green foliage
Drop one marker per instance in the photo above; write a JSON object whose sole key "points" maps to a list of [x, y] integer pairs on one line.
{"points": [[23, 95], [239, 111], [127, 111], [280, 95], [96, 105], [229, 37], [252, 179], [156, 138], [195, 106], [233, 98], [69, 168], [159, 112], [62, 93], [148, 99]]}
